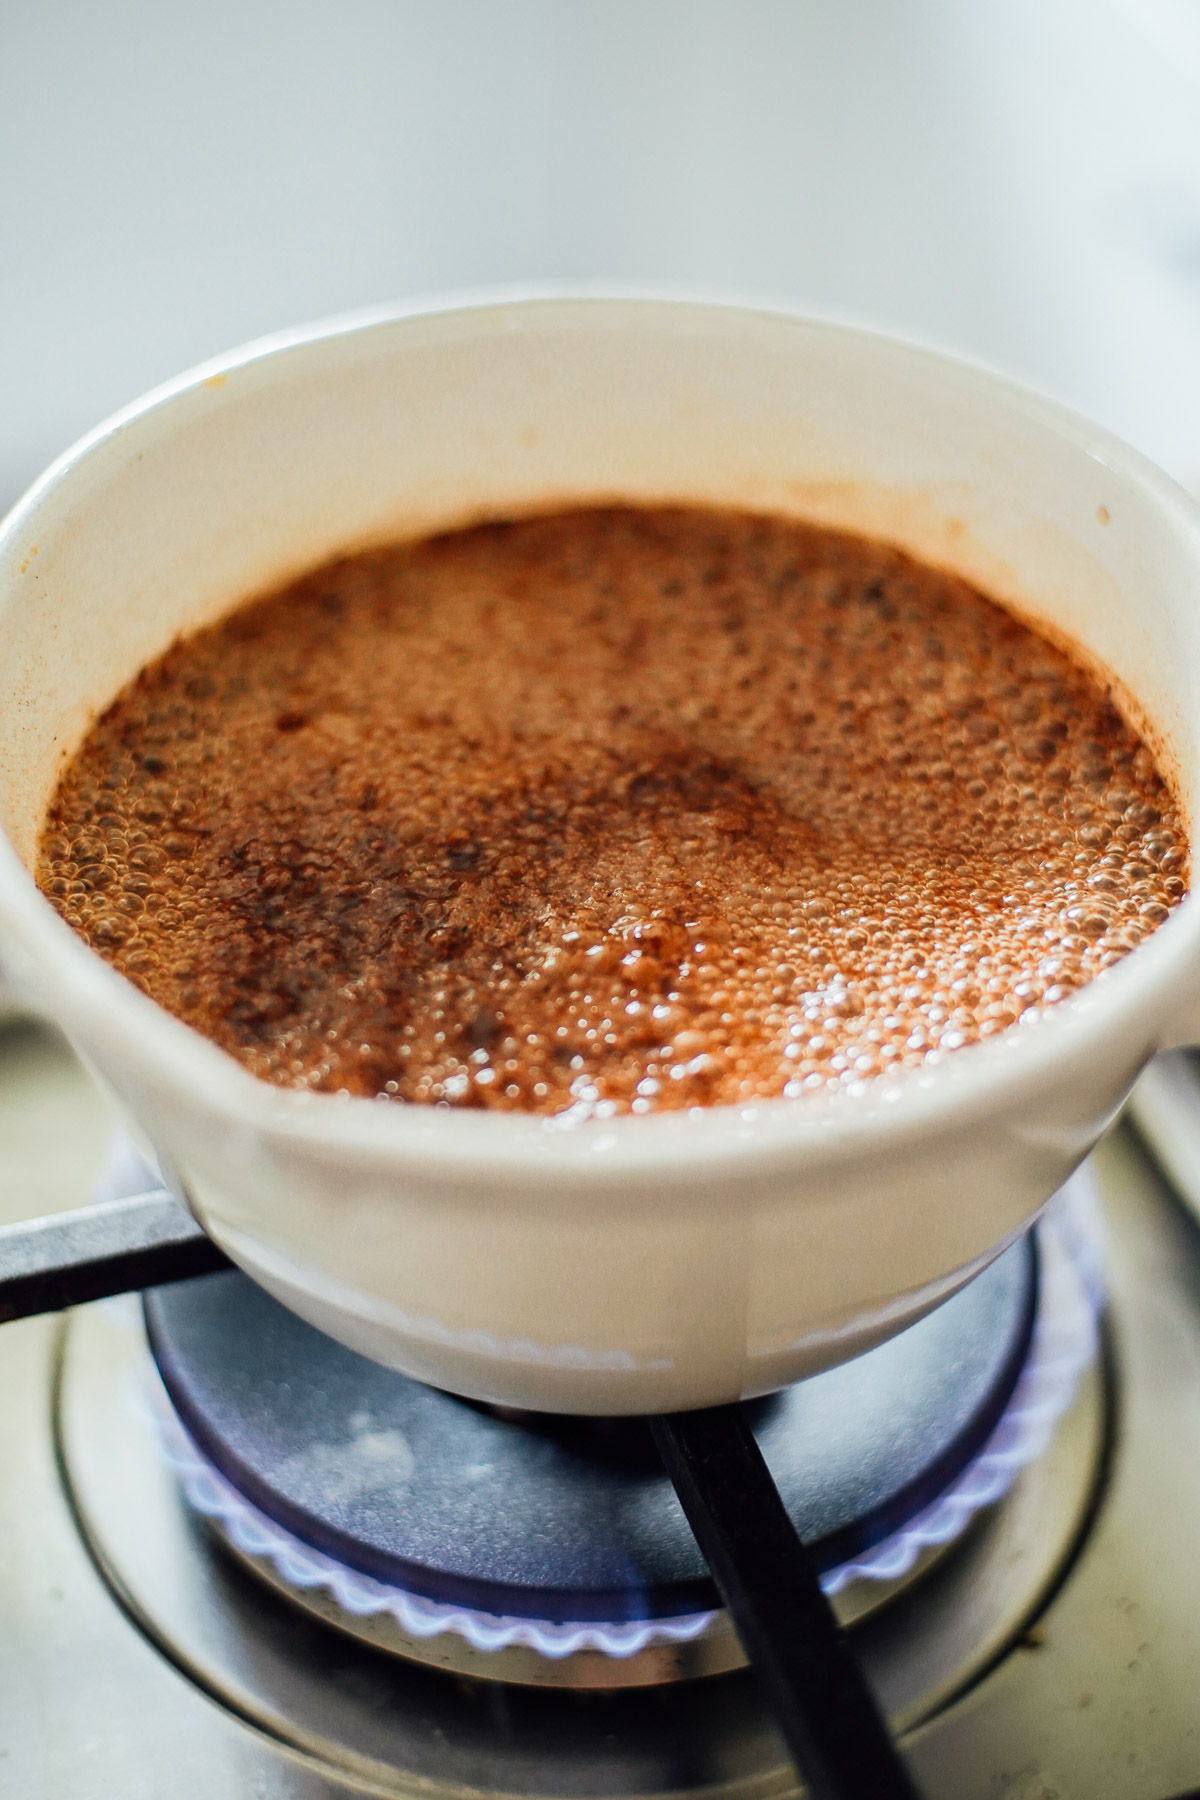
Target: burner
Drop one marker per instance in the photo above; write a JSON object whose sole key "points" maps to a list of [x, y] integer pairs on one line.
{"points": [[358, 1716], [411, 1518], [566, 1520]]}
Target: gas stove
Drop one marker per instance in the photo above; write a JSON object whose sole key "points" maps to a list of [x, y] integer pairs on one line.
{"points": [[236, 1559]]}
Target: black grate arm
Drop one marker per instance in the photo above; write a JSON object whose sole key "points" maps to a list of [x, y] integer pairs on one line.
{"points": [[810, 1676], [114, 1247]]}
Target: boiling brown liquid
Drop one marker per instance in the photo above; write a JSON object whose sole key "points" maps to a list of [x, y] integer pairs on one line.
{"points": [[612, 809]]}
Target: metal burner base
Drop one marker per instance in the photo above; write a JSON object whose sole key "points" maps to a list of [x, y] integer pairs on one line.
{"points": [[390, 1494], [714, 1650], [652, 1651], [951, 1411], [391, 1726], [711, 1649]]}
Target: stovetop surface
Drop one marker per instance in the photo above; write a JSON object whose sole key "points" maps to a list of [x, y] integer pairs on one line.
{"points": [[1100, 1697]]}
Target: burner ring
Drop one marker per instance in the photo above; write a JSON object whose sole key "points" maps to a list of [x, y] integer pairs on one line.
{"points": [[358, 1715], [567, 1521], [1063, 1343]]}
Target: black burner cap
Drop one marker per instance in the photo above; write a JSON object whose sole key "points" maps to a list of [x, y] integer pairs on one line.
{"points": [[567, 1519]]}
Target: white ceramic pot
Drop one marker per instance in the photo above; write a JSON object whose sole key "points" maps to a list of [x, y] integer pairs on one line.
{"points": [[640, 1263]]}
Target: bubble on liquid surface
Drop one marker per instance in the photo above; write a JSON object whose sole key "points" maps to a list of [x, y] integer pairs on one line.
{"points": [[612, 810]]}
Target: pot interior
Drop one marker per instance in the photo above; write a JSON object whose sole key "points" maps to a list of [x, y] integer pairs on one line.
{"points": [[242, 476]]}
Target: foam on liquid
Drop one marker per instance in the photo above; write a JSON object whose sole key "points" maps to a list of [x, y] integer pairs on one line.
{"points": [[612, 810]]}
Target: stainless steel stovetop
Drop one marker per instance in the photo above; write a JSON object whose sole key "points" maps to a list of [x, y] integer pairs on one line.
{"points": [[147, 1665]]}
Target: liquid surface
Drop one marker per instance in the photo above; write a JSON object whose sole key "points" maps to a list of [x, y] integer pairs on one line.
{"points": [[612, 810]]}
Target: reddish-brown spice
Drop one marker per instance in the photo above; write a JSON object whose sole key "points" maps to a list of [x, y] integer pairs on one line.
{"points": [[612, 809]]}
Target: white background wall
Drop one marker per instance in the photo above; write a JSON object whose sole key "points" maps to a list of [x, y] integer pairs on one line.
{"points": [[1020, 178]]}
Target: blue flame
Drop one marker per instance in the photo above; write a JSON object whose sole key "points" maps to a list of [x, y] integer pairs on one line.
{"points": [[1064, 1344]]}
